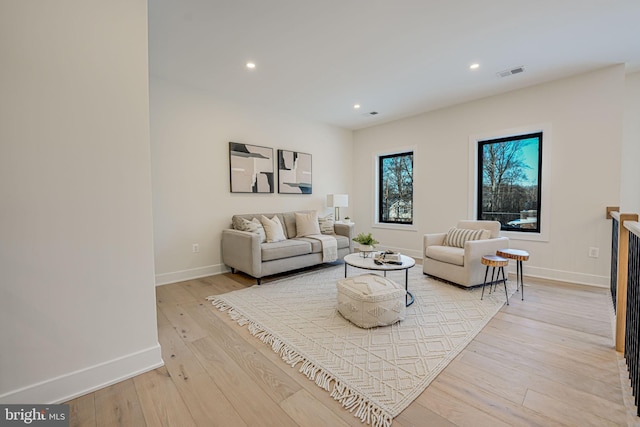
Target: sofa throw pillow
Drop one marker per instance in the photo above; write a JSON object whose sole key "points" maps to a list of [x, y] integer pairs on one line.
{"points": [[326, 224], [307, 224], [458, 236], [253, 226], [273, 229]]}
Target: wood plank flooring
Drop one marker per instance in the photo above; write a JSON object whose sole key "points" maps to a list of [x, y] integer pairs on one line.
{"points": [[545, 361]]}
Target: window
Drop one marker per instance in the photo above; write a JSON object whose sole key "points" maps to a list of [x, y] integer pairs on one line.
{"points": [[509, 178], [395, 188]]}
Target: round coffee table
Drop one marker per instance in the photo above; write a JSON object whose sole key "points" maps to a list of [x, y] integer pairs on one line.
{"points": [[356, 260]]}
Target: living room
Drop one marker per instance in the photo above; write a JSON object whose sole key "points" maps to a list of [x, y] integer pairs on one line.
{"points": [[112, 173], [577, 194]]}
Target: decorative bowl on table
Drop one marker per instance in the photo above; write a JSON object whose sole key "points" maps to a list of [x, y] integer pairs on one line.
{"points": [[366, 250]]}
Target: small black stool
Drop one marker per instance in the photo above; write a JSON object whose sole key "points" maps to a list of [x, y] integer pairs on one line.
{"points": [[499, 262]]}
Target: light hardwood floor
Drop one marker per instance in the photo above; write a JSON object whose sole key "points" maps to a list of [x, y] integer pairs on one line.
{"points": [[545, 361]]}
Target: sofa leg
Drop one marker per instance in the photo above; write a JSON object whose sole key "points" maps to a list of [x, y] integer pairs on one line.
{"points": [[233, 270], [259, 280]]}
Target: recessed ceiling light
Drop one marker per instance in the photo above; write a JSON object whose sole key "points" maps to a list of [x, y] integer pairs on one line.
{"points": [[474, 66], [356, 106], [251, 65]]}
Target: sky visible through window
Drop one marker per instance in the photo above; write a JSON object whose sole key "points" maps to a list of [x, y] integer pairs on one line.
{"points": [[530, 152]]}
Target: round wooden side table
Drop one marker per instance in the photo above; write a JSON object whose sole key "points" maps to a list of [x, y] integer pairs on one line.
{"points": [[495, 262], [518, 255]]}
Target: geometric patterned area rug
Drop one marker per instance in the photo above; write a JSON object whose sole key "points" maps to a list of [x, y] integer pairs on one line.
{"points": [[374, 373]]}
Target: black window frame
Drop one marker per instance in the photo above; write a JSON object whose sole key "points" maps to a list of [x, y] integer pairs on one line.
{"points": [[381, 175], [480, 163]]}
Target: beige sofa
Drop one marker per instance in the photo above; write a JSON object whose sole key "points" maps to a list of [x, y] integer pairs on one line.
{"points": [[460, 262], [243, 250]]}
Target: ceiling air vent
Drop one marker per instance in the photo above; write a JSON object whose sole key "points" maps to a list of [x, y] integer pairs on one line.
{"points": [[370, 114], [510, 72]]}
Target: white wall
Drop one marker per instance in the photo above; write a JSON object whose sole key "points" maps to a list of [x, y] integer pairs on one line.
{"points": [[190, 134], [77, 300], [630, 191], [585, 113]]}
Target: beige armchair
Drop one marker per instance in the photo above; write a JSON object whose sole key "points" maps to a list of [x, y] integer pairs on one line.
{"points": [[455, 256]]}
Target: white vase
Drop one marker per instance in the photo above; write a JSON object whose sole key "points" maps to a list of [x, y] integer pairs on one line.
{"points": [[366, 248]]}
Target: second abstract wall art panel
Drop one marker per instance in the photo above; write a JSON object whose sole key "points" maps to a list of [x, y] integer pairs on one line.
{"points": [[294, 172]]}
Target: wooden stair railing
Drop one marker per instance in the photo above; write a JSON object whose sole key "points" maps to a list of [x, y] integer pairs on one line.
{"points": [[619, 267]]}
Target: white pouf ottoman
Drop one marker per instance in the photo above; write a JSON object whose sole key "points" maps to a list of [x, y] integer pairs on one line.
{"points": [[370, 300]]}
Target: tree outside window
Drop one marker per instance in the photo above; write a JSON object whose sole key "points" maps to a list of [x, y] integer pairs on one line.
{"points": [[395, 188], [509, 177]]}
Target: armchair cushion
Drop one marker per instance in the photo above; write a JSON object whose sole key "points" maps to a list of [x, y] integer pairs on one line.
{"points": [[448, 254], [459, 236]]}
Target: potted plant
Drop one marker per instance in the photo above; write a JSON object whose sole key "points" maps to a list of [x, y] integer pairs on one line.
{"points": [[367, 242], [347, 220]]}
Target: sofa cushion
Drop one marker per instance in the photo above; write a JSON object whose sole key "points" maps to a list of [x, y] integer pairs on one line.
{"points": [[459, 236], [307, 224], [253, 226], [284, 249], [287, 220], [448, 254], [326, 224], [273, 229], [289, 224], [316, 245]]}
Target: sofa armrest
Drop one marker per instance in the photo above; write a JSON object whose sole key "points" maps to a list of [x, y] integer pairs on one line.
{"points": [[241, 250], [475, 249], [346, 230]]}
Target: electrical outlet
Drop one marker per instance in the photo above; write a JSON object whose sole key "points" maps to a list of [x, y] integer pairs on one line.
{"points": [[594, 252], [195, 248]]}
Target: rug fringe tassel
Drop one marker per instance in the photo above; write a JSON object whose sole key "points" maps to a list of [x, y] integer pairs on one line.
{"points": [[233, 314], [360, 407], [350, 399]]}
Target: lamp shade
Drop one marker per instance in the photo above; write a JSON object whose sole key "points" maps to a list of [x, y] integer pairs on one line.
{"points": [[337, 200]]}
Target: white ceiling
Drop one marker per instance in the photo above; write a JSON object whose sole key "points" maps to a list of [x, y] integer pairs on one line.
{"points": [[317, 58]]}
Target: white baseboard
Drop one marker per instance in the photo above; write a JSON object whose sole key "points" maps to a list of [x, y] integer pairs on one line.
{"points": [[555, 275], [74, 384], [194, 273], [563, 276]]}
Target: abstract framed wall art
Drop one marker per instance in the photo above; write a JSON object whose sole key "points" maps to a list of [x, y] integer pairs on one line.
{"points": [[294, 172], [251, 168]]}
